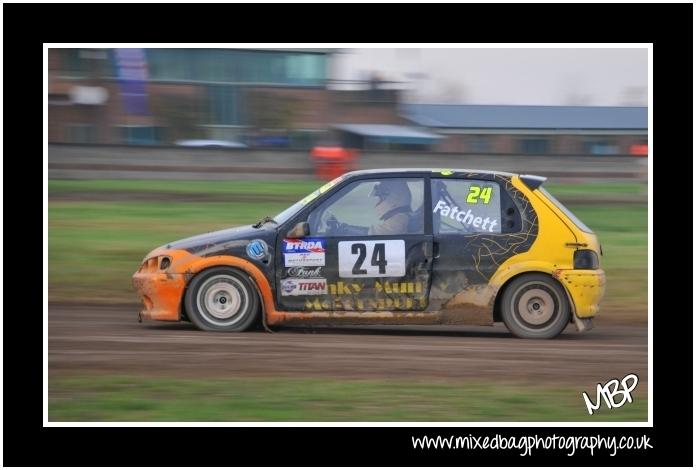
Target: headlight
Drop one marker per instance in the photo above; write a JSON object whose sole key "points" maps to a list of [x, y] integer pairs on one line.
{"points": [[155, 263], [165, 262], [585, 259]]}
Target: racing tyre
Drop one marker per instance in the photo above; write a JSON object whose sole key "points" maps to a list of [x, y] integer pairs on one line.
{"points": [[222, 299], [535, 306]]}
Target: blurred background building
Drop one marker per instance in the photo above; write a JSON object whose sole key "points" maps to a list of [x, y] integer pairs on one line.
{"points": [[535, 130], [288, 98]]}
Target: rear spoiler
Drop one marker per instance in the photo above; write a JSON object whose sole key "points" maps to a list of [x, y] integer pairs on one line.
{"points": [[533, 181]]}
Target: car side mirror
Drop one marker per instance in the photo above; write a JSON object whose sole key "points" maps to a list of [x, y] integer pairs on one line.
{"points": [[301, 229]]}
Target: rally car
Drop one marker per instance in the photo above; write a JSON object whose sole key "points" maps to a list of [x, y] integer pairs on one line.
{"points": [[407, 246]]}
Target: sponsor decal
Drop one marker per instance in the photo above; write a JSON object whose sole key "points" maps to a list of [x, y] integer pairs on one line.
{"points": [[365, 258], [303, 286], [367, 297], [368, 304], [304, 252], [468, 218], [354, 288], [303, 272], [287, 286], [257, 249], [304, 245]]}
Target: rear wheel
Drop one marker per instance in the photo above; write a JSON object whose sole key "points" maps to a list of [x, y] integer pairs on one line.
{"points": [[222, 299], [535, 306]]}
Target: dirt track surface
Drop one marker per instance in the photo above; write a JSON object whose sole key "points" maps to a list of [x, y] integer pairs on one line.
{"points": [[85, 340]]}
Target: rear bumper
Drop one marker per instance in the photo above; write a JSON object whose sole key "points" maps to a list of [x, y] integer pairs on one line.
{"points": [[585, 287], [161, 295]]}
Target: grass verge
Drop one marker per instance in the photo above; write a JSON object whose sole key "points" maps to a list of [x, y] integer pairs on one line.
{"points": [[259, 399]]}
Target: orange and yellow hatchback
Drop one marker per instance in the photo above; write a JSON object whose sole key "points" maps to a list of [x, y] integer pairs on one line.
{"points": [[407, 246]]}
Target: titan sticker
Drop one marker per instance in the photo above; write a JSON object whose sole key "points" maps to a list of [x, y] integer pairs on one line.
{"points": [[303, 286]]}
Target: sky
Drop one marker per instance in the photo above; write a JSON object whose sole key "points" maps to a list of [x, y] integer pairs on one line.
{"points": [[598, 77]]}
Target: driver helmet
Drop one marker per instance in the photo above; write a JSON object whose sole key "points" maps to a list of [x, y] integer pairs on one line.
{"points": [[390, 194]]}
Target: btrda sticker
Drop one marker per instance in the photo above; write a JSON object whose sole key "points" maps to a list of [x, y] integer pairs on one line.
{"points": [[304, 252]]}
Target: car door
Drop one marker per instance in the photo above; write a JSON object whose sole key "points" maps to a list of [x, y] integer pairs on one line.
{"points": [[476, 227], [367, 249]]}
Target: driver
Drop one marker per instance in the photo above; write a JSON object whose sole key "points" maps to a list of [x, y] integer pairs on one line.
{"points": [[393, 207]]}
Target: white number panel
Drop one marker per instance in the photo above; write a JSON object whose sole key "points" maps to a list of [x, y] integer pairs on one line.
{"points": [[377, 258]]}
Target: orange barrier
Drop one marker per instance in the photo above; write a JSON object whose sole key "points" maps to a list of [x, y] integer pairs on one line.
{"points": [[639, 150], [332, 162]]}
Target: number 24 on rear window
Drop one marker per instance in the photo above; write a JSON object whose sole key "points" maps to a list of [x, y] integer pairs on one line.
{"points": [[478, 194]]}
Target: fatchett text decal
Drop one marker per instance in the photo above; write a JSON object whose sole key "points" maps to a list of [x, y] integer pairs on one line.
{"points": [[467, 218], [610, 390]]}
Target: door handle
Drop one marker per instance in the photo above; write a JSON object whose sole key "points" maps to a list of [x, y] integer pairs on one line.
{"points": [[427, 249], [431, 250]]}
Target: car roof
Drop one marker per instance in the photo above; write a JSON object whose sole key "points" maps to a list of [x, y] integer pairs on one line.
{"points": [[426, 170]]}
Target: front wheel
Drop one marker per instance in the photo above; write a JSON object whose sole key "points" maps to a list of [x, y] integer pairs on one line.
{"points": [[222, 299], [535, 306]]}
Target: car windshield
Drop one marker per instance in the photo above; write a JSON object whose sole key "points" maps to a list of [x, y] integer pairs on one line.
{"points": [[288, 213], [566, 211]]}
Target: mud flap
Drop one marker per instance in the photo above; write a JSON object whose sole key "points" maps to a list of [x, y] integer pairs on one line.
{"points": [[583, 324], [266, 328]]}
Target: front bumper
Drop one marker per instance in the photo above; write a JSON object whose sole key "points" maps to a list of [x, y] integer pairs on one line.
{"points": [[585, 287], [161, 294]]}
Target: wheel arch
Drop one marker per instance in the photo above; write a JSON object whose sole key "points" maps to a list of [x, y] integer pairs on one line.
{"points": [[255, 275], [497, 313]]}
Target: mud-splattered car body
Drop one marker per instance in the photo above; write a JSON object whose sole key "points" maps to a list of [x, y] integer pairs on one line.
{"points": [[466, 237]]}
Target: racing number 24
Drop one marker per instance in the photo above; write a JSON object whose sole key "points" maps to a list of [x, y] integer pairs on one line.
{"points": [[477, 193], [378, 259]]}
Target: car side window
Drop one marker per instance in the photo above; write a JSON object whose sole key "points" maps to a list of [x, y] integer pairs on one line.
{"points": [[385, 206], [465, 206]]}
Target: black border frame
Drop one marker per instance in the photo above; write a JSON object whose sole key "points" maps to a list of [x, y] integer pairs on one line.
{"points": [[27, 26]]}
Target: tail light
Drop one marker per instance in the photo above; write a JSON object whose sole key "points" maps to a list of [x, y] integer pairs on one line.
{"points": [[585, 259]]}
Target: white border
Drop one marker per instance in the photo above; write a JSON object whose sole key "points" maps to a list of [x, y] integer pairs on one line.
{"points": [[649, 423]]}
